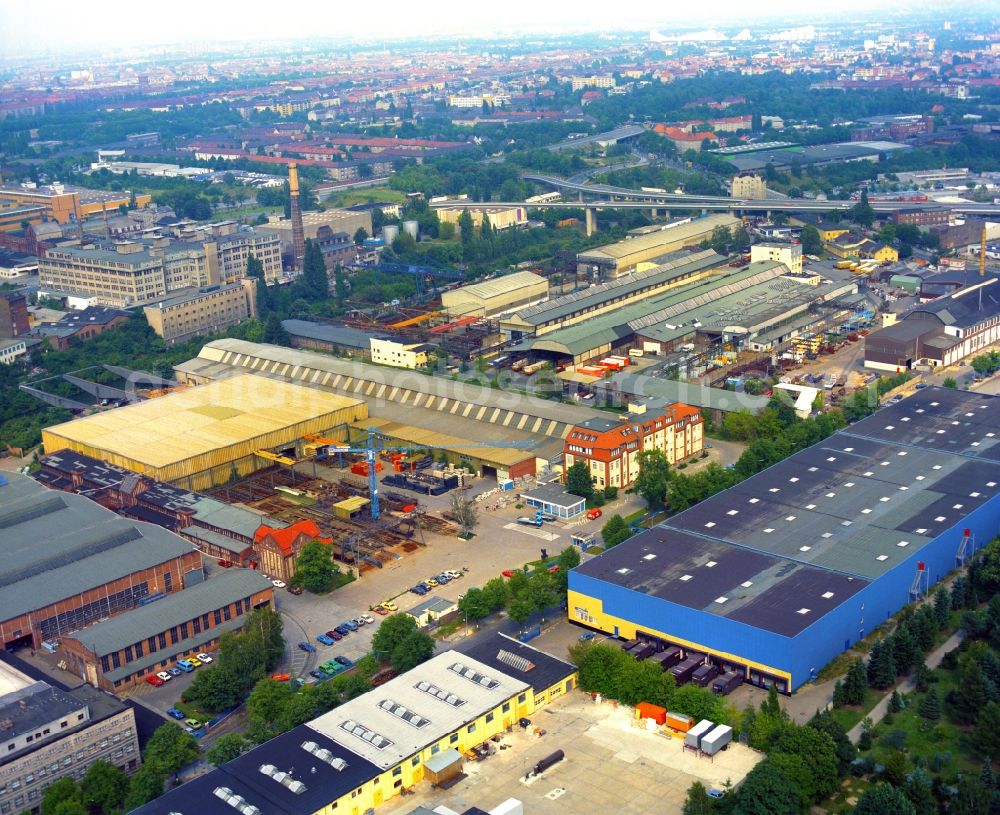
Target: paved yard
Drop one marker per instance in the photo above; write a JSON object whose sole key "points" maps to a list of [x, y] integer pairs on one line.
{"points": [[610, 766]]}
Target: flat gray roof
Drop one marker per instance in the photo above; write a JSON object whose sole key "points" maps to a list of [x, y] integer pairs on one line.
{"points": [[176, 608], [57, 545]]}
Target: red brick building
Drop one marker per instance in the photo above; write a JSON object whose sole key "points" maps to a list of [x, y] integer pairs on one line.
{"points": [[69, 562], [277, 549], [116, 654], [611, 447]]}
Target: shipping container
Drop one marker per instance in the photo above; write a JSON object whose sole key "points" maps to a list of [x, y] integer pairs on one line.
{"points": [[718, 738], [704, 674], [727, 683], [678, 721], [668, 658], [628, 645], [549, 761], [645, 710], [696, 733], [682, 673], [643, 650]]}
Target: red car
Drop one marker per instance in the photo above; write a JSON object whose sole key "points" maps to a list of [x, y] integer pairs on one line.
{"points": [[225, 564], [281, 677], [335, 636], [594, 514], [154, 680], [554, 569]]}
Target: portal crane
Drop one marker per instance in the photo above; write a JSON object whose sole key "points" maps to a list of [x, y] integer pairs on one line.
{"points": [[374, 445]]}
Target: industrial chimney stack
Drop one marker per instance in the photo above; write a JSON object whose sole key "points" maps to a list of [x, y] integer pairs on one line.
{"points": [[298, 234]]}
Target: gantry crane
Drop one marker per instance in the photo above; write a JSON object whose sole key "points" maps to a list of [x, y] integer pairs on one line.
{"points": [[374, 445]]}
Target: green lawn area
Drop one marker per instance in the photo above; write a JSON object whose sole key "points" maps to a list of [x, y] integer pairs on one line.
{"points": [[342, 579], [921, 739], [843, 801], [349, 198], [192, 712], [847, 717]]}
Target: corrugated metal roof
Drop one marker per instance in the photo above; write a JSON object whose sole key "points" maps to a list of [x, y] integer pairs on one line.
{"points": [[498, 286], [56, 545], [180, 607], [643, 243]]}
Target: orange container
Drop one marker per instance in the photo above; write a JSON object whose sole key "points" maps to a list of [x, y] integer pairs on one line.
{"points": [[645, 710], [678, 721]]}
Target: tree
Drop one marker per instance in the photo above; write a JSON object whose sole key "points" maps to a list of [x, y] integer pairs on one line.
{"points": [[390, 633], [654, 471], [579, 481], [145, 785], [697, 801], [986, 736], [340, 289], [474, 605], [103, 787], [274, 331], [812, 243], [970, 695], [767, 791], [360, 236], [63, 798], [817, 752], [254, 267], [855, 683], [845, 749], [466, 227], [520, 608], [227, 747], [972, 798], [496, 592], [569, 558], [314, 568], [170, 749], [895, 702], [882, 666], [411, 650], [862, 212], [615, 531], [314, 275], [465, 513], [920, 792], [930, 706], [884, 799], [950, 382]]}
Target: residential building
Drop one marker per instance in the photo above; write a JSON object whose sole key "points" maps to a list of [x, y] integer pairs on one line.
{"points": [[205, 311], [611, 447], [881, 252], [789, 254], [748, 186], [11, 350], [477, 100], [399, 355], [847, 245], [683, 140], [921, 217], [94, 564], [13, 314], [499, 217], [51, 734], [580, 82], [277, 549], [117, 654]]}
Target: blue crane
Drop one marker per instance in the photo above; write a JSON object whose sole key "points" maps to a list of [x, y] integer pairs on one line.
{"points": [[374, 445]]}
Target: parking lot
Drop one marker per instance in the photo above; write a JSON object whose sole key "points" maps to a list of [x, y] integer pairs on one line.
{"points": [[610, 766]]}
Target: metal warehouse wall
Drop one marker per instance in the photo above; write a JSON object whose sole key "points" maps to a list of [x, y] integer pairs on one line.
{"points": [[860, 615], [624, 611]]}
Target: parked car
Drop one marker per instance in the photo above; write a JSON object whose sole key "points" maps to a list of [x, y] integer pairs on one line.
{"points": [[174, 713], [225, 564], [318, 675], [594, 514], [431, 581], [334, 635], [164, 676], [194, 724], [351, 625], [443, 579], [281, 677], [295, 589], [309, 648], [204, 658], [358, 621], [713, 793], [368, 619], [453, 574], [343, 630], [185, 665], [174, 671], [323, 638], [195, 662], [425, 586], [390, 605], [587, 637], [154, 680], [343, 661], [382, 610], [553, 568], [278, 584]]}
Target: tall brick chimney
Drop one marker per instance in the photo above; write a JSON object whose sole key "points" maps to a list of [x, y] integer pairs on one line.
{"points": [[298, 233]]}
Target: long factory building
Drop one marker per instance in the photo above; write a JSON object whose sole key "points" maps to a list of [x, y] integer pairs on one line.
{"points": [[372, 748], [409, 407], [781, 573], [755, 308]]}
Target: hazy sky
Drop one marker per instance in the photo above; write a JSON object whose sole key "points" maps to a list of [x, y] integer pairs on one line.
{"points": [[59, 25]]}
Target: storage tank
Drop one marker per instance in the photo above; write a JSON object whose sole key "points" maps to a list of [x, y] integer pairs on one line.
{"points": [[389, 233], [715, 740], [695, 734], [411, 228], [549, 761]]}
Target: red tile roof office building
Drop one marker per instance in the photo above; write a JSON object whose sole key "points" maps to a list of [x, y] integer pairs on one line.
{"points": [[611, 447]]}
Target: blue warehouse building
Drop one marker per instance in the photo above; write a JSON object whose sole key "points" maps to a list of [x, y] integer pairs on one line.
{"points": [[781, 573]]}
